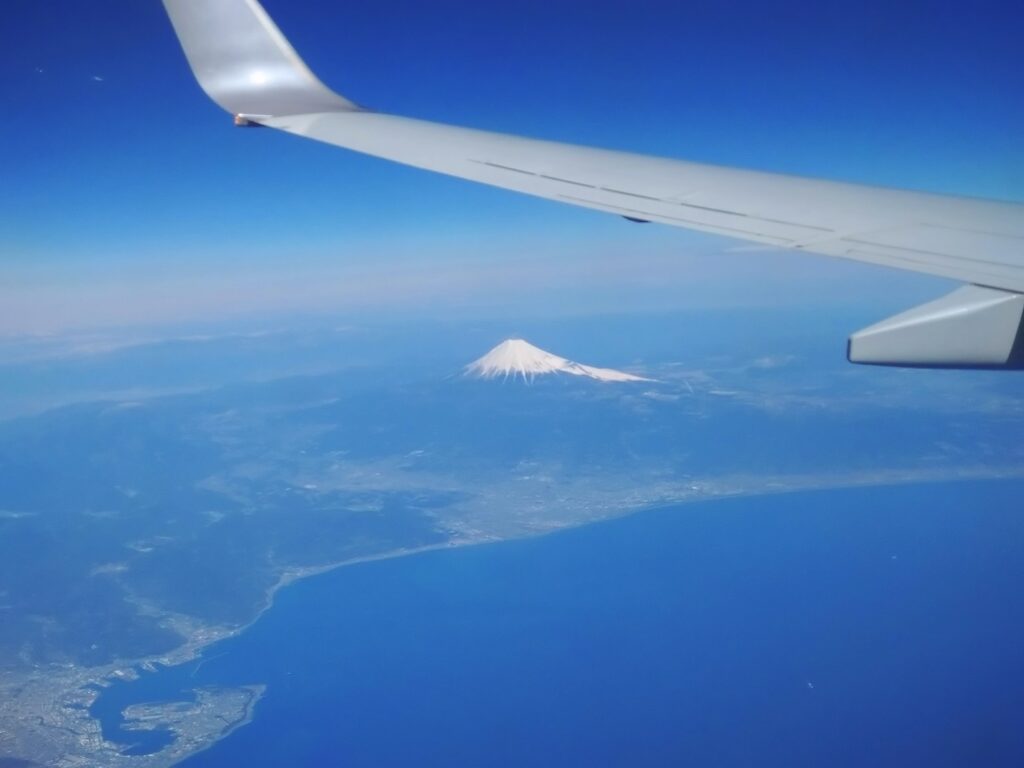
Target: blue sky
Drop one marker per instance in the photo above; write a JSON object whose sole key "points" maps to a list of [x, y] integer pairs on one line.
{"points": [[129, 197]]}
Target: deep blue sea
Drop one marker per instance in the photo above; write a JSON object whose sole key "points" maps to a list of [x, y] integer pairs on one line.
{"points": [[870, 627]]}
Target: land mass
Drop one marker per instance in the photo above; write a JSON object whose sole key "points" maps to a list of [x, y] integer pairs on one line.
{"points": [[47, 713], [138, 533]]}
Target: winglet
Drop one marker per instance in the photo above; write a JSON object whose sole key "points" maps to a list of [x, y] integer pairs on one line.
{"points": [[244, 63]]}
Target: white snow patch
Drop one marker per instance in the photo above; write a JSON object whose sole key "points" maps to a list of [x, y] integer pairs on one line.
{"points": [[516, 357]]}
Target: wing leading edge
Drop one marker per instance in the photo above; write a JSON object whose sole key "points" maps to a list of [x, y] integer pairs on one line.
{"points": [[246, 66]]}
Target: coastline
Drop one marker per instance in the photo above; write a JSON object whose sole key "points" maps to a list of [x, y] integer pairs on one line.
{"points": [[293, 575], [69, 718]]}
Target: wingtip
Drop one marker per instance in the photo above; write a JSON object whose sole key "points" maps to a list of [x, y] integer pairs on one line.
{"points": [[244, 63]]}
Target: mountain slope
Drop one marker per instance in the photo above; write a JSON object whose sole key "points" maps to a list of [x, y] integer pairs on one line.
{"points": [[516, 357]]}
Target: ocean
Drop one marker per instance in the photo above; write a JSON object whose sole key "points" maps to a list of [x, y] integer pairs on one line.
{"points": [[850, 627]]}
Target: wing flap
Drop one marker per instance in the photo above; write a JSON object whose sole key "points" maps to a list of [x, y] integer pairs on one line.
{"points": [[973, 327]]}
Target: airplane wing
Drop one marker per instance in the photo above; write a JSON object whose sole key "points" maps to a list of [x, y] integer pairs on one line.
{"points": [[245, 65]]}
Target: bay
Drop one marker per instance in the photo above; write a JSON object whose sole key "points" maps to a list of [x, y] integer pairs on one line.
{"points": [[848, 627]]}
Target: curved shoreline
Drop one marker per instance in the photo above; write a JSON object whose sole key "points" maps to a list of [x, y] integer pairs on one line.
{"points": [[83, 733]]}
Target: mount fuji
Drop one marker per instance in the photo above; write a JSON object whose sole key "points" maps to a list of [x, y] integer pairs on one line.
{"points": [[516, 357]]}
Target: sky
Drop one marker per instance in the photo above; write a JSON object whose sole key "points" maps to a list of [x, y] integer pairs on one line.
{"points": [[128, 197]]}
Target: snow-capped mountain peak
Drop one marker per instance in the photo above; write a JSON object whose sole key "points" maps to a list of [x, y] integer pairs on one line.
{"points": [[516, 357]]}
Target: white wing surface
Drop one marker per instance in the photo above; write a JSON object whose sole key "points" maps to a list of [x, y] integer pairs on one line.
{"points": [[245, 65]]}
